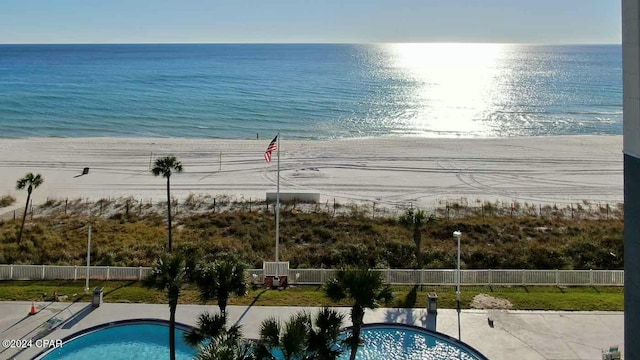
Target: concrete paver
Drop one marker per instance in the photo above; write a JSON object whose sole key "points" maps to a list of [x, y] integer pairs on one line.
{"points": [[532, 335]]}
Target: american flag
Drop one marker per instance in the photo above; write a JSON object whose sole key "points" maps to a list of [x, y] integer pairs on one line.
{"points": [[273, 146]]}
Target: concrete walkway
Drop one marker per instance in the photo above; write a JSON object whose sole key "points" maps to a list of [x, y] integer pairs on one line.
{"points": [[526, 335]]}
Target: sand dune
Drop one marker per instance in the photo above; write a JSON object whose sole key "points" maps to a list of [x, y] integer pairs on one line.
{"points": [[389, 171]]}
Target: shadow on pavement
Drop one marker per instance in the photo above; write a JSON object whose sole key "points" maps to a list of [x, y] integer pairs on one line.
{"points": [[250, 305], [77, 317]]}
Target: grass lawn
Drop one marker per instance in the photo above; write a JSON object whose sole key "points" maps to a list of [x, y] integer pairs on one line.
{"points": [[529, 298]]}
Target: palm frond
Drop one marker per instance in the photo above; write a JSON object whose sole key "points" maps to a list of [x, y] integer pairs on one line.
{"points": [[262, 352], [324, 335], [329, 321], [295, 335], [210, 326], [270, 332], [169, 273], [219, 280], [37, 181], [234, 333], [166, 166], [29, 180]]}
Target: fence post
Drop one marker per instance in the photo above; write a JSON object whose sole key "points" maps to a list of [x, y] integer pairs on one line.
{"points": [[322, 276], [43, 272], [388, 275], [334, 207], [140, 273], [11, 272], [590, 277], [490, 277], [557, 277], [523, 278], [75, 272], [107, 273]]}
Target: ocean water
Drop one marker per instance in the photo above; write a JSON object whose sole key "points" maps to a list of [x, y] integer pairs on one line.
{"points": [[310, 91]]}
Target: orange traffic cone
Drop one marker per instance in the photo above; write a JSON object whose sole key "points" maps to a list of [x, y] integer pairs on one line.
{"points": [[33, 310]]}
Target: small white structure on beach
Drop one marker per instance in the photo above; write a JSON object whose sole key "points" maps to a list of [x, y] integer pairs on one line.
{"points": [[295, 195]]}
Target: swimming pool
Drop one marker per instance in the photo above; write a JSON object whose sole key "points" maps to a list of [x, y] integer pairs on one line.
{"points": [[123, 341], [147, 339], [385, 341]]}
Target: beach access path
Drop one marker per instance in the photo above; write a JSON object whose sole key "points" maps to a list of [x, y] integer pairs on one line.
{"points": [[526, 335], [424, 172]]}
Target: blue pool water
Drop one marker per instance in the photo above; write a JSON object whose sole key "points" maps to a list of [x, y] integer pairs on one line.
{"points": [[124, 342], [149, 341], [389, 342], [400, 342]]}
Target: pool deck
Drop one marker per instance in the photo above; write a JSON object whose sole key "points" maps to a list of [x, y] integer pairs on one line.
{"points": [[526, 335]]}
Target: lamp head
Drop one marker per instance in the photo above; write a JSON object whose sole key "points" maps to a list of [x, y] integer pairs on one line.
{"points": [[457, 234]]}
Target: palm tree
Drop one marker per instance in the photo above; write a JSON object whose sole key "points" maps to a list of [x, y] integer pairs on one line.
{"points": [[291, 339], [415, 219], [226, 351], [323, 336], [169, 274], [31, 182], [166, 166], [216, 341], [302, 337], [365, 289], [219, 280], [270, 330]]}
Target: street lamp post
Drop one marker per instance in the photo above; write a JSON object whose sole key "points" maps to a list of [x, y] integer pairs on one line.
{"points": [[86, 286], [458, 235]]}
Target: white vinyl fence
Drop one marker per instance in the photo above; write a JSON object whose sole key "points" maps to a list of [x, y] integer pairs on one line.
{"points": [[320, 276]]}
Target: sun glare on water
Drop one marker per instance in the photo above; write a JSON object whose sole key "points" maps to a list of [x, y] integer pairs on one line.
{"points": [[455, 87]]}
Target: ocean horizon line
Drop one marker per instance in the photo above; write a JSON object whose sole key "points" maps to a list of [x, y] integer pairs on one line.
{"points": [[318, 43], [294, 138]]}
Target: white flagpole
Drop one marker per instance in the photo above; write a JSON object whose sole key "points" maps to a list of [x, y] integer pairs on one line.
{"points": [[278, 208]]}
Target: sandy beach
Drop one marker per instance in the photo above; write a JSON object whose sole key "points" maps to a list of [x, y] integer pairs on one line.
{"points": [[389, 171]]}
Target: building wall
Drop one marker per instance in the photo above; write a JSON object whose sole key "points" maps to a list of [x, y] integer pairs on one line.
{"points": [[631, 102]]}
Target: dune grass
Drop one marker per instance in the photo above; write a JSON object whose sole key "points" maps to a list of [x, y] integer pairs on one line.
{"points": [[529, 298], [314, 240], [322, 239], [6, 200]]}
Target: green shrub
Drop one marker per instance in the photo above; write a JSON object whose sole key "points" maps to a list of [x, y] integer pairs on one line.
{"points": [[321, 240], [6, 200]]}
